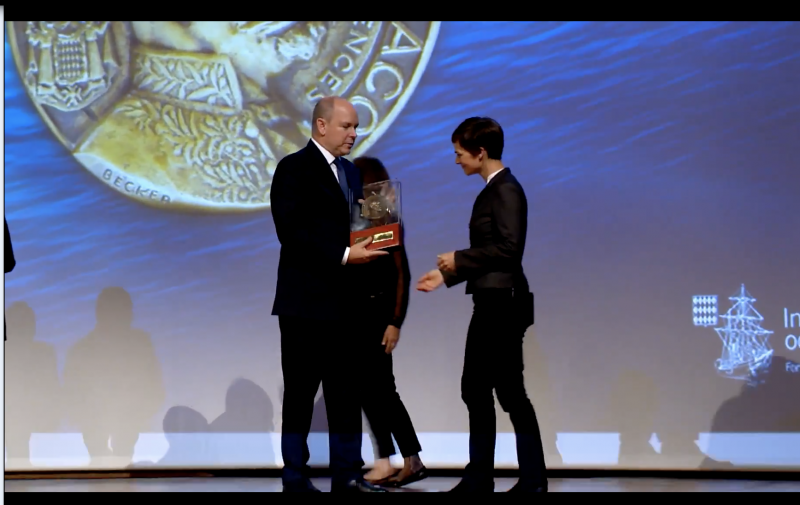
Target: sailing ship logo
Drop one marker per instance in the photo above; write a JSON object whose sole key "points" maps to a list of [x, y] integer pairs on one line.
{"points": [[746, 352]]}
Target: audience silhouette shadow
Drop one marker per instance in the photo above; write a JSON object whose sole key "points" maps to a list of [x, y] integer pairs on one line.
{"points": [[243, 431], [112, 382], [186, 432], [112, 388], [240, 436], [631, 412], [32, 386], [765, 406], [538, 386]]}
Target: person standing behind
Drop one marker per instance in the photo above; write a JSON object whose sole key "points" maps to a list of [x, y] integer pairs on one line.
{"points": [[319, 344], [384, 288], [503, 310]]}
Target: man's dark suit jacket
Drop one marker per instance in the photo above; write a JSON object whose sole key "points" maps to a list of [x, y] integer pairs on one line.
{"points": [[10, 262], [497, 231], [312, 220]]}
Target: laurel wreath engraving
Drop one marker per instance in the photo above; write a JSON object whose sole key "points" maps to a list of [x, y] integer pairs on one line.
{"points": [[195, 81], [221, 148]]}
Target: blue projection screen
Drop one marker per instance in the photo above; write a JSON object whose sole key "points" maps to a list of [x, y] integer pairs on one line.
{"points": [[660, 162]]}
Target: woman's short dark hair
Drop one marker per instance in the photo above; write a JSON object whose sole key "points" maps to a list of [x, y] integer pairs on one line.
{"points": [[372, 170], [477, 132]]}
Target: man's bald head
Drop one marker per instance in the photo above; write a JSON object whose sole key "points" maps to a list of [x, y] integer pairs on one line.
{"points": [[333, 125], [323, 110]]}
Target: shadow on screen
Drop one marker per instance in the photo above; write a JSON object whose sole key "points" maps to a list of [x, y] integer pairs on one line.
{"points": [[631, 412], [241, 435], [769, 407], [537, 385], [186, 432], [112, 381], [31, 368]]}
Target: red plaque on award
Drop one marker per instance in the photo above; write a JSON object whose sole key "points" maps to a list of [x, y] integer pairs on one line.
{"points": [[377, 215], [383, 237]]}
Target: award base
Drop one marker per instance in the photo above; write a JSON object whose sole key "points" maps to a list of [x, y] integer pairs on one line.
{"points": [[383, 237]]}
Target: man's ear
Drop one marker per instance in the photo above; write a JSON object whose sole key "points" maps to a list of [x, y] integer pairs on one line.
{"points": [[321, 126]]}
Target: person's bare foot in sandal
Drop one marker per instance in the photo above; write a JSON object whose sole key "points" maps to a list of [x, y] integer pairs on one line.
{"points": [[381, 471], [413, 471]]}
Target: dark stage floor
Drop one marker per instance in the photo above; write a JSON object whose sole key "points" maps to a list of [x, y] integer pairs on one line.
{"points": [[432, 484]]}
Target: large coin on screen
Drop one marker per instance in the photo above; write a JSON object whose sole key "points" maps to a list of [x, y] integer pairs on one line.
{"points": [[198, 113]]}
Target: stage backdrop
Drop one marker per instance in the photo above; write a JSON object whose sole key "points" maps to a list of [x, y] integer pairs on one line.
{"points": [[660, 161]]}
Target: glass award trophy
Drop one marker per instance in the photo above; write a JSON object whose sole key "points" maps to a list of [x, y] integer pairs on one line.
{"points": [[377, 215]]}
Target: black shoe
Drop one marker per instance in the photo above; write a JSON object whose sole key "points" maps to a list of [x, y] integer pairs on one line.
{"points": [[302, 487], [472, 486], [357, 486], [528, 487]]}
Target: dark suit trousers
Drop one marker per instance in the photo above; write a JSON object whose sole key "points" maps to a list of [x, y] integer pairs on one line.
{"points": [[314, 352], [382, 405], [493, 363]]}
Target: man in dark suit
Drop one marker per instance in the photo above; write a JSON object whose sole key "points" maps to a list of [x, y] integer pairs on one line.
{"points": [[10, 263], [311, 209], [503, 310]]}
